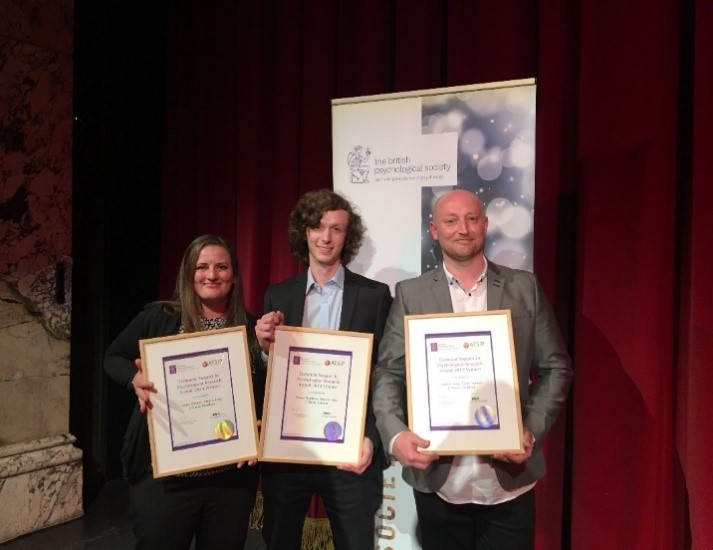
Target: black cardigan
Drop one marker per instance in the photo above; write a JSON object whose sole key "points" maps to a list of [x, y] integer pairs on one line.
{"points": [[154, 321]]}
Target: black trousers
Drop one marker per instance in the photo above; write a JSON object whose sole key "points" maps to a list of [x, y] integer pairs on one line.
{"points": [[166, 513], [350, 501], [506, 526]]}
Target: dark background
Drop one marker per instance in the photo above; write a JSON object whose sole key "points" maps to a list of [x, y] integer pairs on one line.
{"points": [[195, 117], [120, 52]]}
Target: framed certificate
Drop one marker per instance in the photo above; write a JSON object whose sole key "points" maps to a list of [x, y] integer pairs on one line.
{"points": [[316, 396], [203, 411], [461, 379]]}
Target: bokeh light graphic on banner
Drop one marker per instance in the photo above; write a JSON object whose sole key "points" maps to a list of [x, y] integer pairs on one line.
{"points": [[496, 160]]}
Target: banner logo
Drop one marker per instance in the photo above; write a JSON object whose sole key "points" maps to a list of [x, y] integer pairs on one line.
{"points": [[357, 160]]}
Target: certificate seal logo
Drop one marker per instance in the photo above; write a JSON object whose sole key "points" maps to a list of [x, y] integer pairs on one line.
{"points": [[485, 416], [224, 430], [332, 431]]}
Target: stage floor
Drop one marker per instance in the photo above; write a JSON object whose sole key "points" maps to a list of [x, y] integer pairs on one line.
{"points": [[104, 526]]}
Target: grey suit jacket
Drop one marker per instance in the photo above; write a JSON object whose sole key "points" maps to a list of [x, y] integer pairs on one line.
{"points": [[539, 349]]}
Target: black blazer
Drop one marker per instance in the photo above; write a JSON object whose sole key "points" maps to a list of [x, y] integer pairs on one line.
{"points": [[365, 308]]}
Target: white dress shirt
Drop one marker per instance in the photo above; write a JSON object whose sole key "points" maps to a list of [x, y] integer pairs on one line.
{"points": [[472, 479]]}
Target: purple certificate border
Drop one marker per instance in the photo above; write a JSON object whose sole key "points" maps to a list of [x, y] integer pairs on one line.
{"points": [[295, 349], [474, 426], [173, 358]]}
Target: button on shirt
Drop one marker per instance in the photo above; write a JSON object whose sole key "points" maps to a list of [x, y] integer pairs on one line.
{"points": [[323, 304], [472, 479]]}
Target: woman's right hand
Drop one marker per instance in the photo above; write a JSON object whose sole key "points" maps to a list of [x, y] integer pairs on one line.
{"points": [[142, 387]]}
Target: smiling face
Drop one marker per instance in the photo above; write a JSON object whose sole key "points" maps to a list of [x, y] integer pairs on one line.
{"points": [[213, 279], [459, 224], [326, 241]]}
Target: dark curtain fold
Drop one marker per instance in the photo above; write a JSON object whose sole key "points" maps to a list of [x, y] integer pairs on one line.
{"points": [[622, 198], [626, 306], [692, 371]]}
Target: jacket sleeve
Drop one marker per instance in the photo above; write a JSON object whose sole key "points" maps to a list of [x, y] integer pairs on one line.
{"points": [[389, 376], [382, 312], [119, 366], [120, 355], [552, 368]]}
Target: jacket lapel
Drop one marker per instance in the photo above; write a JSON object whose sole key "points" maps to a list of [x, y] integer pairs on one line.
{"points": [[441, 294], [496, 284], [349, 301], [296, 301]]}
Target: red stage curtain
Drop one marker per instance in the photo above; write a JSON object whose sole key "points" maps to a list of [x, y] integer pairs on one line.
{"points": [[692, 371], [623, 194], [625, 312]]}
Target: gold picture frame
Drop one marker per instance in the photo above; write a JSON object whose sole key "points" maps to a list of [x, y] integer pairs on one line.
{"points": [[203, 411], [461, 379], [316, 396]]}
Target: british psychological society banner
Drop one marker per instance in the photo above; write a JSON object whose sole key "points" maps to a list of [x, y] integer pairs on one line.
{"points": [[393, 155]]}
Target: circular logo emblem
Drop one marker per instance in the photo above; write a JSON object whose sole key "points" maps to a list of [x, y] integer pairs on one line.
{"points": [[224, 429], [332, 431], [485, 416]]}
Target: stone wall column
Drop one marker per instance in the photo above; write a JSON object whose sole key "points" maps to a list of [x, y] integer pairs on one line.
{"points": [[40, 485], [40, 468]]}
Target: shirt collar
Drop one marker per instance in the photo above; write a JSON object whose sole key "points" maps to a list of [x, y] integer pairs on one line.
{"points": [[337, 280], [454, 280]]}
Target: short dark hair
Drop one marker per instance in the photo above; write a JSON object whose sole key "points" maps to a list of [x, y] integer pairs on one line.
{"points": [[307, 214]]}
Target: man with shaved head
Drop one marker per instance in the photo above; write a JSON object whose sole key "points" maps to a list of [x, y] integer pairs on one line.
{"points": [[473, 501]]}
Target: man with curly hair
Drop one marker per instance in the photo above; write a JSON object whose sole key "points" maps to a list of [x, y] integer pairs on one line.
{"points": [[325, 233]]}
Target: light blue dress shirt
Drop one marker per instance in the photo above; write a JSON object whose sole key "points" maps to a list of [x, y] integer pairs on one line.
{"points": [[323, 304]]}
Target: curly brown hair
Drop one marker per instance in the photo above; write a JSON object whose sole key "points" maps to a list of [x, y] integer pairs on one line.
{"points": [[307, 214]]}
